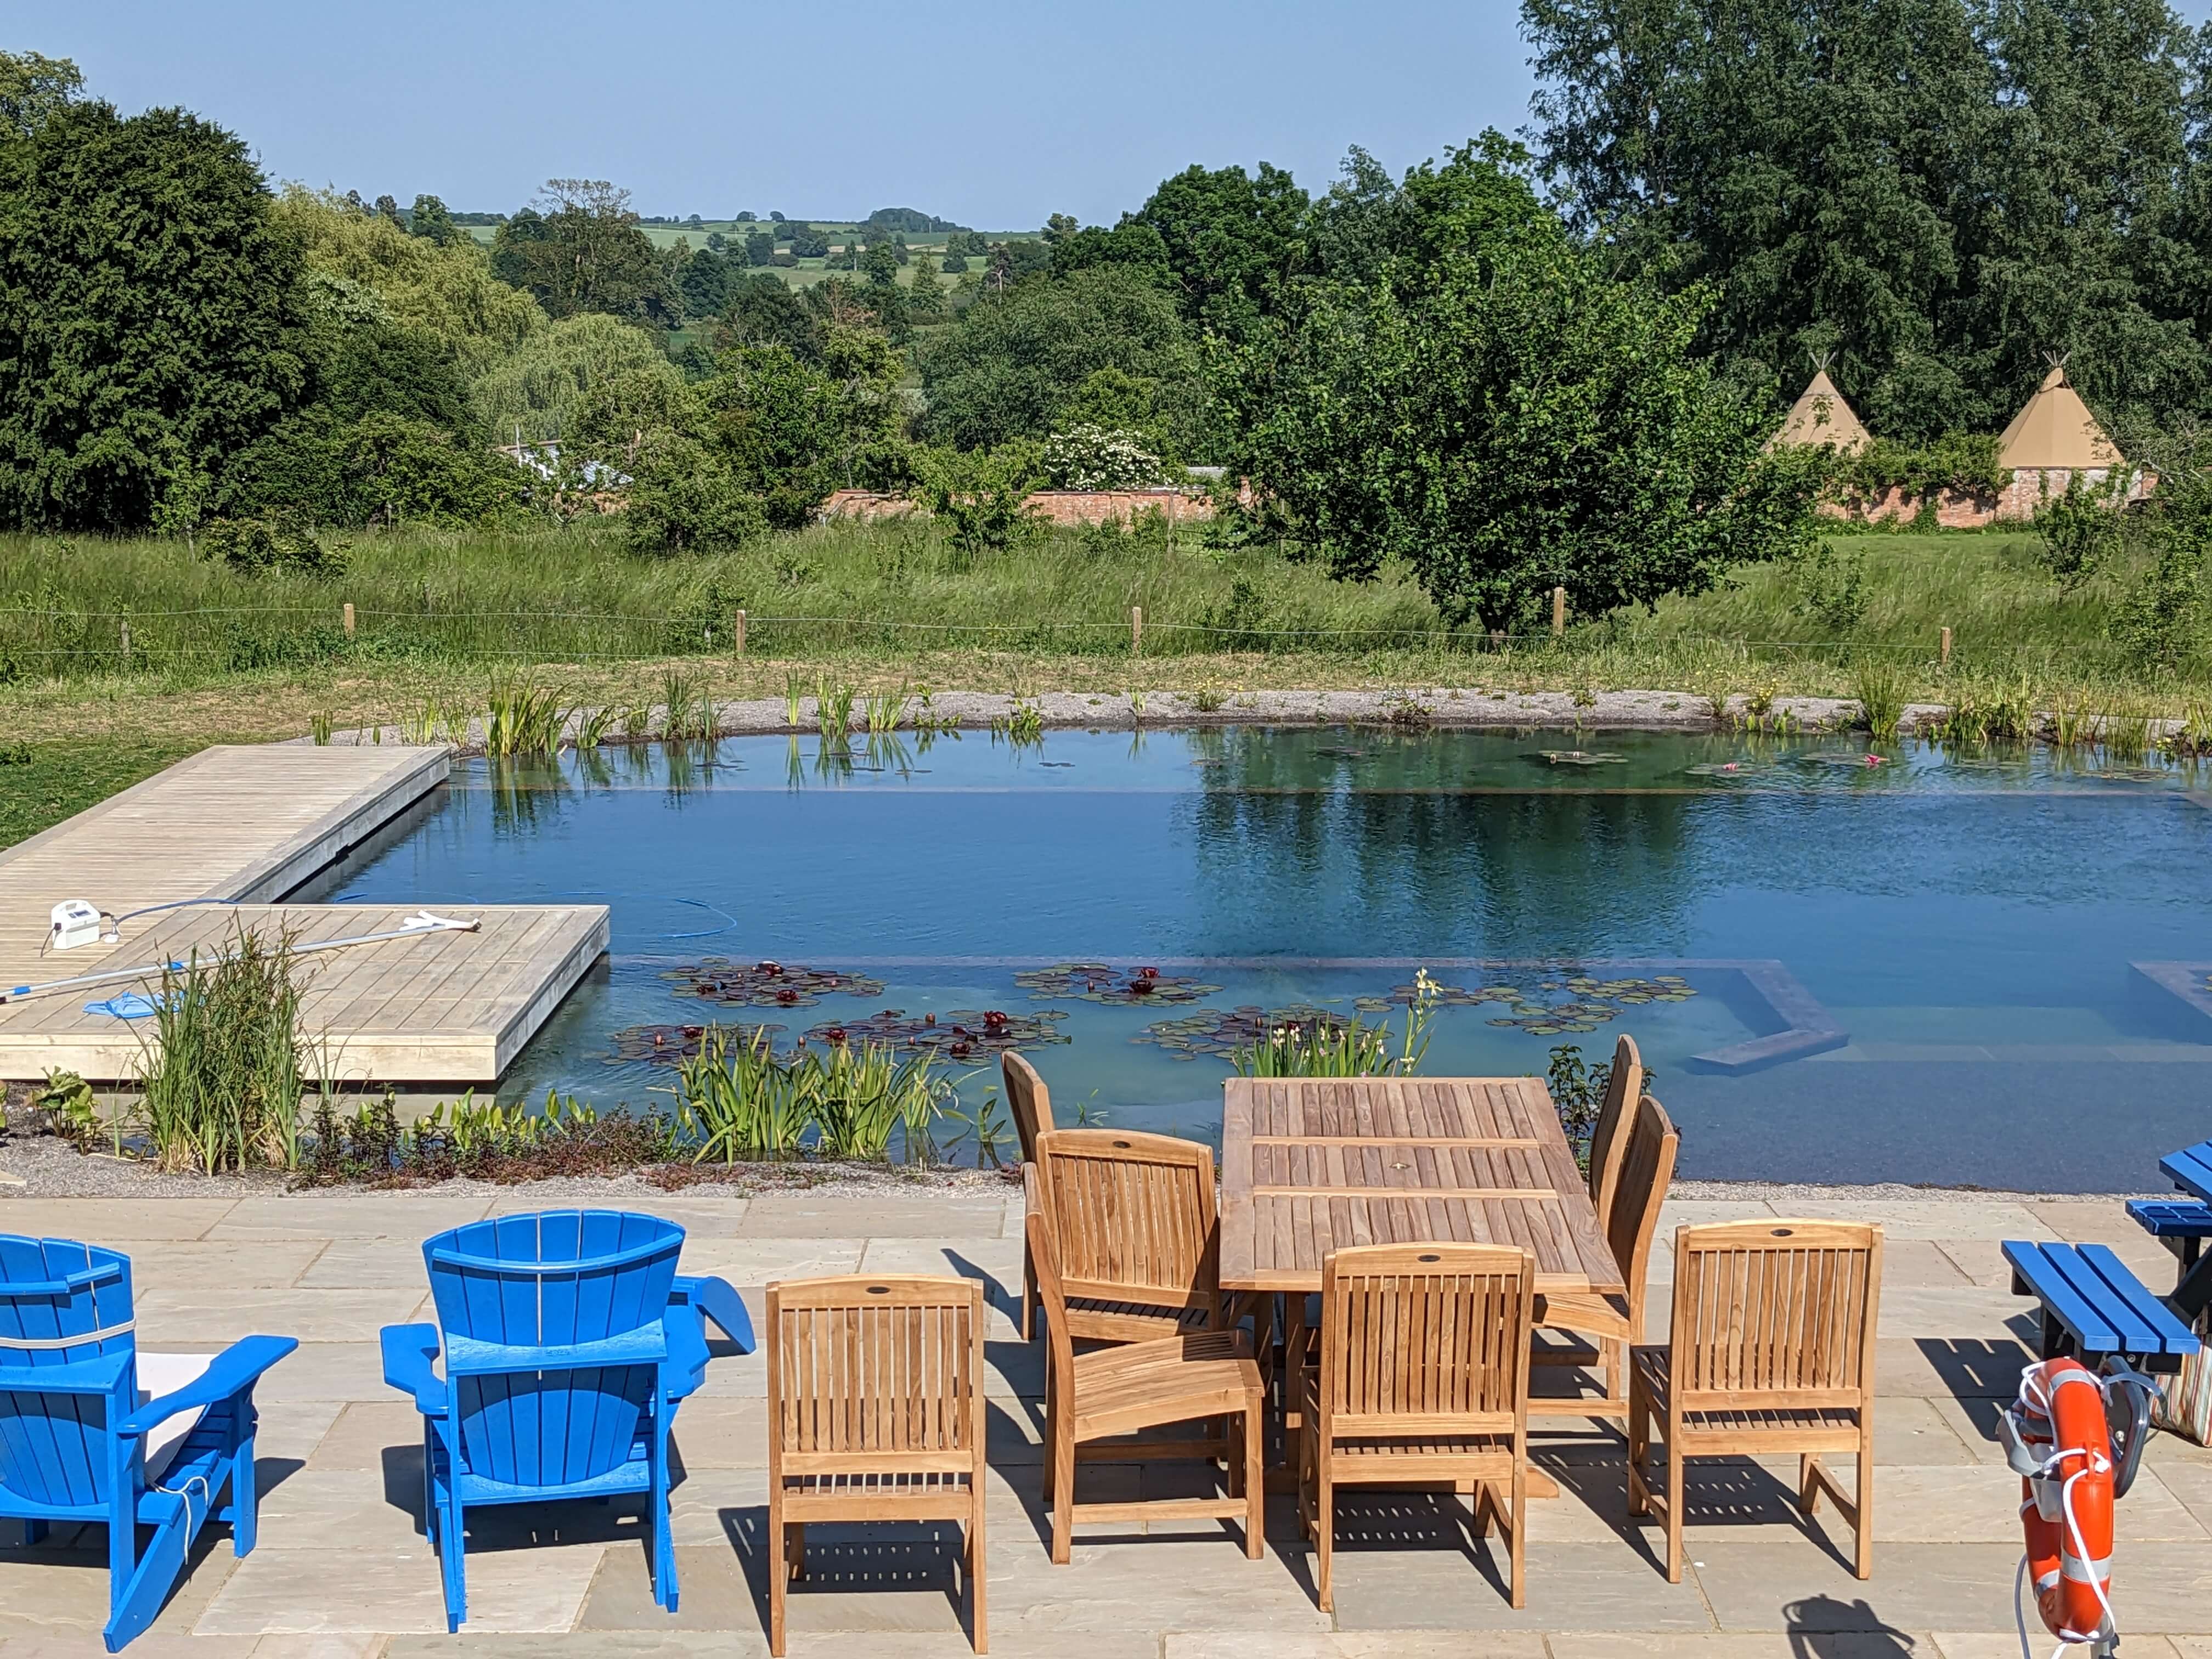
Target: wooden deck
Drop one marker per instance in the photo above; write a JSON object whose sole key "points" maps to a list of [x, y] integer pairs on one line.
{"points": [[249, 825]]}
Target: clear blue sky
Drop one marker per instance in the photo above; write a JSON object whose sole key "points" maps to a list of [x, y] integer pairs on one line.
{"points": [[993, 112]]}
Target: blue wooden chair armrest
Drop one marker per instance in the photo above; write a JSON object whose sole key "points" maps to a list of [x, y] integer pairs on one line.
{"points": [[720, 1302], [228, 1375], [96, 1376], [686, 1365], [409, 1352]]}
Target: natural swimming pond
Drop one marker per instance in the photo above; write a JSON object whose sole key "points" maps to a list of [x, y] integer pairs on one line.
{"points": [[1983, 968]]}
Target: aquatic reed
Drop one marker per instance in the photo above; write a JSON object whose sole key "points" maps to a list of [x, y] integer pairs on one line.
{"points": [[223, 1077], [1880, 686], [523, 718]]}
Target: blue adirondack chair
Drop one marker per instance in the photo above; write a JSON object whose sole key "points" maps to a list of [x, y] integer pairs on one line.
{"points": [[569, 1340], [92, 1430]]}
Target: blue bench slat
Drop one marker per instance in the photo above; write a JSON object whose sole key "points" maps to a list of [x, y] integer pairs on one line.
{"points": [[2171, 1334], [2172, 1217], [2045, 1278], [2136, 1334], [2191, 1167]]}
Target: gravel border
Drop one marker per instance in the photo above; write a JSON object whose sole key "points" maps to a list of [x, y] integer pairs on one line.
{"points": [[48, 1167], [1413, 708]]}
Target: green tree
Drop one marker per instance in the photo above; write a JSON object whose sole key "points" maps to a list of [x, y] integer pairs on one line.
{"points": [[1506, 417], [430, 220], [580, 248], [760, 247], [1013, 362], [152, 319], [764, 311], [791, 434], [33, 86], [881, 264], [1232, 240], [925, 297], [683, 497], [533, 394], [1938, 191]]}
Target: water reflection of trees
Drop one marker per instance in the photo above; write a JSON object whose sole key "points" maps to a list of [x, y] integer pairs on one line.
{"points": [[1431, 850]]}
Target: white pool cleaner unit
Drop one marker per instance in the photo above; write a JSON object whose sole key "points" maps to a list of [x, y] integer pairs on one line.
{"points": [[75, 922]]}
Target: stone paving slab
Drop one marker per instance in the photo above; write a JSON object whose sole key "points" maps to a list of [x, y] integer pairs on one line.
{"points": [[342, 1573]]}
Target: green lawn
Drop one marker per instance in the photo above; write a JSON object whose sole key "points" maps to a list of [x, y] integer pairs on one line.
{"points": [[61, 778]]}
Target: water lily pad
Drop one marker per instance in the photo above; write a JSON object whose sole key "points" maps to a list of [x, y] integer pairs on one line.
{"points": [[962, 1034], [767, 984], [1576, 758], [1099, 982], [671, 1045]]}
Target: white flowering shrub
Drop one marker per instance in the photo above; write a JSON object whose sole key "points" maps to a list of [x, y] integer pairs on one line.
{"points": [[1097, 458]]}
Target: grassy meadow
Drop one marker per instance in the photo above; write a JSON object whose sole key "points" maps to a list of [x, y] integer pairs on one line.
{"points": [[216, 654]]}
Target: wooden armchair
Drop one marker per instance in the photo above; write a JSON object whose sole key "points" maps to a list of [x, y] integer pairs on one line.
{"points": [[1423, 1376], [1616, 1117], [1614, 1323], [875, 1408], [1773, 1351], [1119, 1390], [1134, 1233], [1031, 1103]]}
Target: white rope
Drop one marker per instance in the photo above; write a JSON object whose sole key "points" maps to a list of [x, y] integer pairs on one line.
{"points": [[42, 1344]]}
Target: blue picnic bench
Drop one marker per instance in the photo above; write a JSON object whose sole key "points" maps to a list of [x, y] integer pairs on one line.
{"points": [[2183, 1226], [2093, 1306]]}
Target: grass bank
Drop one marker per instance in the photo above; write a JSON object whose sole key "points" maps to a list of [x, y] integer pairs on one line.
{"points": [[217, 656]]}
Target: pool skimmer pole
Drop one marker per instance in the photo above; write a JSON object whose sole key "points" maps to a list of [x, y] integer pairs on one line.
{"points": [[415, 927]]}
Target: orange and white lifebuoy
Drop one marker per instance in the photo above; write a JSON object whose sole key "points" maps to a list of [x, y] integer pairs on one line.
{"points": [[2066, 1491]]}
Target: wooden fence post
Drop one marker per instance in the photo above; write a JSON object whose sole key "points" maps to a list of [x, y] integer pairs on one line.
{"points": [[1946, 645], [738, 632], [1558, 612], [349, 618], [126, 645], [1136, 630]]}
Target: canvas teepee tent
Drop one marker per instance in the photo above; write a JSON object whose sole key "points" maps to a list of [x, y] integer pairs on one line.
{"points": [[1821, 416], [2054, 428]]}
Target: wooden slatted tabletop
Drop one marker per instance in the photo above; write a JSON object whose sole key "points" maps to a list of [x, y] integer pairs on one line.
{"points": [[1311, 1164]]}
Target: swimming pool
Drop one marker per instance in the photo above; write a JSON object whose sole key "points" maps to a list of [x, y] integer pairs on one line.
{"points": [[1980, 969]]}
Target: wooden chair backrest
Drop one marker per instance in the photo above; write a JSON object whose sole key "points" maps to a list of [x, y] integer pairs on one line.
{"points": [[551, 1279], [1624, 1087], [1774, 1314], [1647, 1170], [1044, 1263], [1425, 1339], [1027, 1099], [1132, 1218], [875, 1375], [54, 1448]]}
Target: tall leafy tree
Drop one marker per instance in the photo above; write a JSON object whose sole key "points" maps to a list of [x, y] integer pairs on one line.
{"points": [[578, 247], [431, 220], [1503, 412], [1940, 191], [1013, 361], [1232, 240], [151, 317], [33, 87]]}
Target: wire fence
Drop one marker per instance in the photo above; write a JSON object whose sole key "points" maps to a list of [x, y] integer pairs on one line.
{"points": [[62, 643]]}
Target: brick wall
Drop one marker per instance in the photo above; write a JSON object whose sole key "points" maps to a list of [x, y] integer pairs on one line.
{"points": [[1955, 510]]}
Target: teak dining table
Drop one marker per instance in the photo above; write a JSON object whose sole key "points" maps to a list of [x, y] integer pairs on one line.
{"points": [[1311, 1165]]}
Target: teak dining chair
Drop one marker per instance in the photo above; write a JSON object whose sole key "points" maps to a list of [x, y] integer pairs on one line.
{"points": [[1773, 1351], [1134, 1233], [1423, 1376], [1132, 1385], [1031, 1103], [875, 1404], [1616, 1116], [1614, 1323]]}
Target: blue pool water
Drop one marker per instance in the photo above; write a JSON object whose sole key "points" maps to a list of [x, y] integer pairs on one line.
{"points": [[1959, 934]]}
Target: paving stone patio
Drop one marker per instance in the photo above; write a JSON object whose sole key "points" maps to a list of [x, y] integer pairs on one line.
{"points": [[342, 1572]]}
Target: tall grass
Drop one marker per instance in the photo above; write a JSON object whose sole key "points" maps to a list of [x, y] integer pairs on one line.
{"points": [[223, 1077], [1349, 1047], [523, 719]]}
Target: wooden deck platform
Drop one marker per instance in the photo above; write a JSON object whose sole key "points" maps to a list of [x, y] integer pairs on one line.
{"points": [[249, 825]]}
